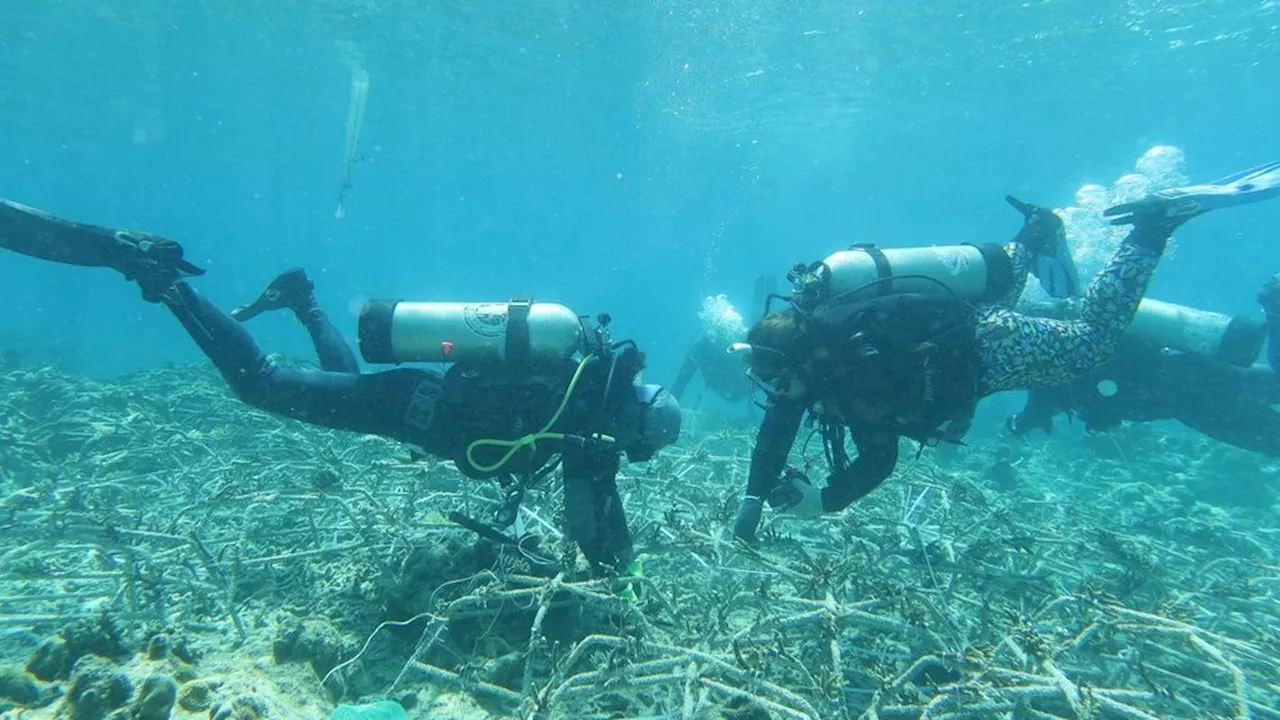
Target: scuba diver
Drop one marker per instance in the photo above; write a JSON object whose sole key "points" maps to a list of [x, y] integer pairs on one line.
{"points": [[722, 325], [884, 344], [529, 383], [706, 357], [1178, 363]]}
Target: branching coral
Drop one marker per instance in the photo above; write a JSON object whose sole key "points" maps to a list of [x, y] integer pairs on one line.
{"points": [[1085, 587]]}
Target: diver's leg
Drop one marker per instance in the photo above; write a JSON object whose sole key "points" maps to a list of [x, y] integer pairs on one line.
{"points": [[1231, 405], [614, 544], [1024, 352], [333, 351], [293, 290], [1019, 351], [593, 511], [1038, 410], [397, 404], [1021, 258]]}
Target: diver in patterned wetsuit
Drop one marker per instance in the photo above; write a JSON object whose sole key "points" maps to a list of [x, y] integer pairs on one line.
{"points": [[1229, 403], [915, 366], [493, 404]]}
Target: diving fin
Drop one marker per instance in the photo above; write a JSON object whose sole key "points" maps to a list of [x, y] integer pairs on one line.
{"points": [[1058, 274], [35, 233], [1177, 205], [1044, 234], [1247, 174]]}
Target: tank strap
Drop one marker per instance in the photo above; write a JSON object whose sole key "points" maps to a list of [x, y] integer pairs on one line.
{"points": [[884, 272], [999, 271], [1242, 341], [518, 349]]}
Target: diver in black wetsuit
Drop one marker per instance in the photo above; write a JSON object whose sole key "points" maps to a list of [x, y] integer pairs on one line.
{"points": [[493, 419], [1145, 382], [720, 371]]}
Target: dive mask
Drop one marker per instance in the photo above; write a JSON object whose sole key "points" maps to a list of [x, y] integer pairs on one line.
{"points": [[767, 369]]}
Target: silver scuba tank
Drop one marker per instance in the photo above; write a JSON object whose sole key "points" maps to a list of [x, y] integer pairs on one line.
{"points": [[977, 273], [1236, 340], [397, 331]]}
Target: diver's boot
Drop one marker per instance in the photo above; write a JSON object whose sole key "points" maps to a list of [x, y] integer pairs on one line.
{"points": [[291, 290], [155, 263]]}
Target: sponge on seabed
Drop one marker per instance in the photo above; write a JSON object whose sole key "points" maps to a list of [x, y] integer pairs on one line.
{"points": [[382, 710]]}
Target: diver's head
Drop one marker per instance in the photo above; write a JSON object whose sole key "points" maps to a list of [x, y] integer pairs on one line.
{"points": [[648, 421], [774, 348]]}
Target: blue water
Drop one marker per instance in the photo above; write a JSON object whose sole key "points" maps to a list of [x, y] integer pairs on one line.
{"points": [[615, 156]]}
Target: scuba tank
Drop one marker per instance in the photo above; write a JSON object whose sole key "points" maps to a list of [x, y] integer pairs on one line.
{"points": [[1236, 340], [397, 331], [977, 273]]}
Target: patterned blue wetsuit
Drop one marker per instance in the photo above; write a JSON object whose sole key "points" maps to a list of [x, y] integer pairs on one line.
{"points": [[1022, 351]]}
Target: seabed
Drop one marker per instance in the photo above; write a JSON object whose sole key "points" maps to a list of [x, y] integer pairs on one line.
{"points": [[166, 551]]}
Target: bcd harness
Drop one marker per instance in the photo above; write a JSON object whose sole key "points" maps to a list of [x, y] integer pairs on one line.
{"points": [[519, 376], [912, 355]]}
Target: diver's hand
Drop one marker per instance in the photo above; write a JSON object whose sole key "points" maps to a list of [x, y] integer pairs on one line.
{"points": [[1042, 229], [797, 496]]}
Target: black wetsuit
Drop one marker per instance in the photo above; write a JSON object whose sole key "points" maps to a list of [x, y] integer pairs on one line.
{"points": [[722, 372], [1230, 404], [441, 414]]}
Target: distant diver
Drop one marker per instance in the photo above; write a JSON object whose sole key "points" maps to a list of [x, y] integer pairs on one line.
{"points": [[529, 383], [885, 344], [1214, 389], [721, 373]]}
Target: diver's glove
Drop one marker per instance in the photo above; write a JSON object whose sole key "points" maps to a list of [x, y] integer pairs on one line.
{"points": [[797, 496], [1269, 296], [154, 262], [1044, 234]]}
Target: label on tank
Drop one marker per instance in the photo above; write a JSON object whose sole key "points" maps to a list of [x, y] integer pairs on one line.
{"points": [[955, 261], [488, 320]]}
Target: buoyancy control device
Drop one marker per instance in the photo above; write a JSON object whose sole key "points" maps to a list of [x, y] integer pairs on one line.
{"points": [[1236, 340], [399, 331]]}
